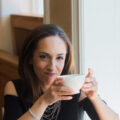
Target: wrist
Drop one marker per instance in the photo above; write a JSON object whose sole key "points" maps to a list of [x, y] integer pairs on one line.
{"points": [[94, 99], [43, 102], [38, 108]]}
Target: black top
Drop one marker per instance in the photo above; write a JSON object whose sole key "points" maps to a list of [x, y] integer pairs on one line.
{"points": [[69, 110]]}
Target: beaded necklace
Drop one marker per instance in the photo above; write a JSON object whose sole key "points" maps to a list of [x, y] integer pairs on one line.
{"points": [[52, 111]]}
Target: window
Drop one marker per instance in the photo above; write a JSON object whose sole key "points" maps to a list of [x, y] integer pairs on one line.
{"points": [[102, 47]]}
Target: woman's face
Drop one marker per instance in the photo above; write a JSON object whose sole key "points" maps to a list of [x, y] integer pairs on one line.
{"points": [[48, 60]]}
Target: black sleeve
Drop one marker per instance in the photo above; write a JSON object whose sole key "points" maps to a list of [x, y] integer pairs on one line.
{"points": [[89, 108], [12, 107]]}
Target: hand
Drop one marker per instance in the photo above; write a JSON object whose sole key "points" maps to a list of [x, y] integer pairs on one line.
{"points": [[90, 86], [57, 92]]}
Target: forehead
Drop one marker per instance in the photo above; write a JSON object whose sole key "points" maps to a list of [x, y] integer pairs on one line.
{"points": [[52, 44]]}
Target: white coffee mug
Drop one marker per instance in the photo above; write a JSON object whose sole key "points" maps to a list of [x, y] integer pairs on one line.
{"points": [[74, 81]]}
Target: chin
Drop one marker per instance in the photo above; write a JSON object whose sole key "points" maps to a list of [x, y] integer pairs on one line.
{"points": [[50, 80]]}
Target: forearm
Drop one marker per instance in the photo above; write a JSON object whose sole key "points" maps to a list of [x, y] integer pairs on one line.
{"points": [[104, 112], [38, 109]]}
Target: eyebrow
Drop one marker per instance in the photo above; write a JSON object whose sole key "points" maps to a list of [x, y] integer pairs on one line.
{"points": [[48, 53]]}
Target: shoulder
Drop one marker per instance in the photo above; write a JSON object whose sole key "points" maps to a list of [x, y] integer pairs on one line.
{"points": [[10, 89]]}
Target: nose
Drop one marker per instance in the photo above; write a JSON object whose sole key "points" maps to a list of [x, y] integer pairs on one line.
{"points": [[52, 65]]}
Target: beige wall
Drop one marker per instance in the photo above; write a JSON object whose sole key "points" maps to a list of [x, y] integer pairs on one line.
{"points": [[0, 24], [12, 7]]}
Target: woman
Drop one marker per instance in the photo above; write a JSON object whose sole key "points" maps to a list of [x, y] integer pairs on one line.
{"points": [[38, 94]]}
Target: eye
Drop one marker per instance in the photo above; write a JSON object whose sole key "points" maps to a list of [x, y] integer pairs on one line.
{"points": [[43, 56], [60, 58]]}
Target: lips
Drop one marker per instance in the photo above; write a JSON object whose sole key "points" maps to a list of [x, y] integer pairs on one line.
{"points": [[50, 74]]}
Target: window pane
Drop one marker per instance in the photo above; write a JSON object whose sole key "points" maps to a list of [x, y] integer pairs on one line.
{"points": [[102, 47]]}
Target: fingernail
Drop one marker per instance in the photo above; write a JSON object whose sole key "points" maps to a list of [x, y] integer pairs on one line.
{"points": [[87, 78], [90, 70], [70, 97]]}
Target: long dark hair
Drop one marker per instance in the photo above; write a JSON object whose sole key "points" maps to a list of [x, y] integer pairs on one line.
{"points": [[31, 89]]}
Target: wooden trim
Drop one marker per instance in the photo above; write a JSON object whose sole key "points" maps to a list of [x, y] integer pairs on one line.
{"points": [[9, 58], [68, 14], [22, 25], [60, 14], [47, 11], [8, 71], [75, 32], [8, 63], [81, 37], [78, 34], [26, 22]]}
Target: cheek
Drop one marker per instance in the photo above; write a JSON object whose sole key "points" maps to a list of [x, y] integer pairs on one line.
{"points": [[40, 65], [60, 67]]}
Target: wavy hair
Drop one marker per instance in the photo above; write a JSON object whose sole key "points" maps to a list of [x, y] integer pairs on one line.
{"points": [[31, 88]]}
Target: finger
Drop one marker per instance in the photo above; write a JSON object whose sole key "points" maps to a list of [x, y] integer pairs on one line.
{"points": [[63, 88], [89, 79], [65, 97], [89, 89], [65, 93], [90, 84], [90, 72], [87, 85], [58, 81]]}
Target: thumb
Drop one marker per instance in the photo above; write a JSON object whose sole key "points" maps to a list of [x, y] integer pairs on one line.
{"points": [[90, 72]]}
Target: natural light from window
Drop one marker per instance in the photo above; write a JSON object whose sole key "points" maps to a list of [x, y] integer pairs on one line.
{"points": [[102, 47]]}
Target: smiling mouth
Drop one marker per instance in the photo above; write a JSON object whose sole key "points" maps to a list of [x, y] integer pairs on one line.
{"points": [[50, 74]]}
